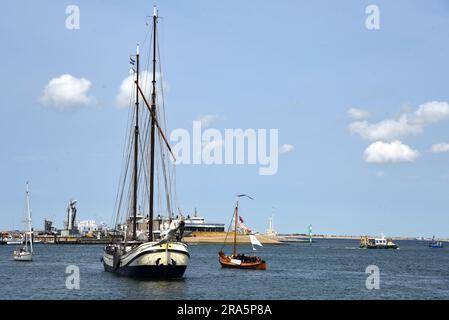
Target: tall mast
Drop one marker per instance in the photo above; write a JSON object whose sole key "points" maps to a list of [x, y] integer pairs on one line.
{"points": [[235, 227], [236, 218], [29, 221], [136, 150], [153, 109]]}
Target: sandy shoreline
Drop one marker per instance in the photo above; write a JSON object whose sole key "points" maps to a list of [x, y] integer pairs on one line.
{"points": [[220, 237]]}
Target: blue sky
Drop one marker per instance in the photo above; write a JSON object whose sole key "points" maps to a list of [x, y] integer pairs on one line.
{"points": [[298, 66]]}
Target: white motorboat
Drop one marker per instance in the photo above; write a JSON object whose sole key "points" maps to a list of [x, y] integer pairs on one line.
{"points": [[14, 241]]}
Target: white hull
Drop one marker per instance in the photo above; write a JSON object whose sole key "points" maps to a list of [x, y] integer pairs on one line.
{"points": [[23, 256], [148, 260], [14, 242]]}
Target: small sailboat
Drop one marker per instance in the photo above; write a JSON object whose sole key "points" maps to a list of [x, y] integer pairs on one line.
{"points": [[25, 251], [144, 252], [238, 260], [310, 235]]}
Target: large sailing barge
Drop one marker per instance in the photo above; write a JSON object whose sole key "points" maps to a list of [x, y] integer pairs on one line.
{"points": [[141, 254]]}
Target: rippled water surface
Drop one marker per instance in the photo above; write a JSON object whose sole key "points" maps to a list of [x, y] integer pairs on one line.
{"points": [[329, 269]]}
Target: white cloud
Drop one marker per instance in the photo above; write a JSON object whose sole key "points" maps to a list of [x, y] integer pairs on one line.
{"points": [[386, 129], [126, 93], [207, 120], [66, 91], [383, 152], [408, 123], [286, 148], [440, 147], [358, 114], [432, 112]]}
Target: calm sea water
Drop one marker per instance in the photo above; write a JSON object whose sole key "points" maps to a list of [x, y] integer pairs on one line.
{"points": [[329, 269]]}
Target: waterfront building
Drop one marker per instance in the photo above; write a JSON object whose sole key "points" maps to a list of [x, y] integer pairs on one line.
{"points": [[87, 227]]}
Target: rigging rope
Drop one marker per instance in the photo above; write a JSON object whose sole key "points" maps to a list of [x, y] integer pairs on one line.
{"points": [[229, 228], [164, 171], [125, 164]]}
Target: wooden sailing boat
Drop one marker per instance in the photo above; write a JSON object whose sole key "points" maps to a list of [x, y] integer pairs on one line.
{"points": [[25, 251], [237, 260], [145, 255]]}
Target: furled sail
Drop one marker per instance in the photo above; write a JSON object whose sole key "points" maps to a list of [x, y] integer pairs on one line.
{"points": [[168, 233]]}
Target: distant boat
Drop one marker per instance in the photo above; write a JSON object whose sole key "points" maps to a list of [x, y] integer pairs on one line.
{"points": [[435, 244], [238, 260], [377, 243], [13, 241], [198, 224], [25, 252]]}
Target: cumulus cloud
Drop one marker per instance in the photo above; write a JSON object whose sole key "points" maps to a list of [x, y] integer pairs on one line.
{"points": [[207, 120], [126, 93], [440, 147], [286, 148], [409, 123], [432, 112], [358, 114], [66, 91], [383, 152], [386, 129]]}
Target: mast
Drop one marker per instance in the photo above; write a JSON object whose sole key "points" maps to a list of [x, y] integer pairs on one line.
{"points": [[310, 234], [136, 150], [153, 110], [236, 218], [29, 221], [235, 227]]}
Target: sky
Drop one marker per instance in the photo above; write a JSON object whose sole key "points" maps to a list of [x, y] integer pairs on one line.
{"points": [[363, 115]]}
